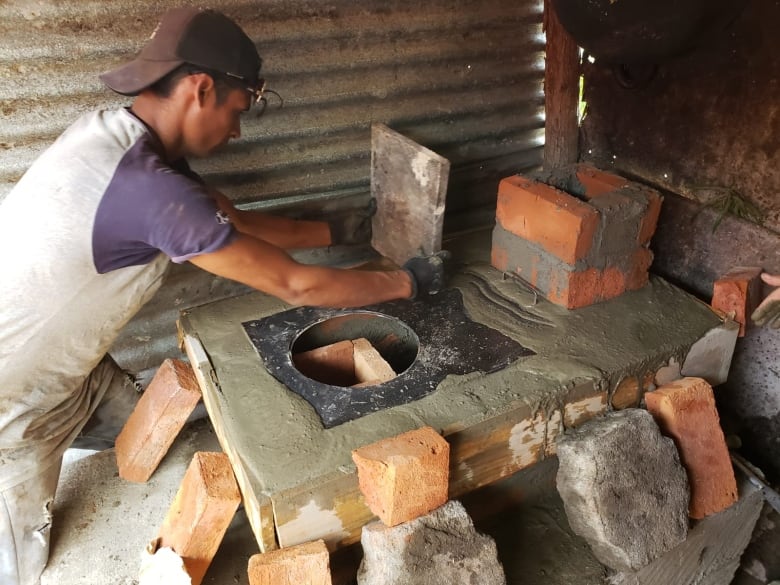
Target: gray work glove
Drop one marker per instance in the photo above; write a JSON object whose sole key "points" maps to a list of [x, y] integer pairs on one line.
{"points": [[352, 227], [768, 312], [427, 273]]}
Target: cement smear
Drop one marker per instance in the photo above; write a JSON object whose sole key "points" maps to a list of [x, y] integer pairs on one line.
{"points": [[282, 441]]}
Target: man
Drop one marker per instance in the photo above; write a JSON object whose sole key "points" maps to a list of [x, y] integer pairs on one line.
{"points": [[85, 239]]}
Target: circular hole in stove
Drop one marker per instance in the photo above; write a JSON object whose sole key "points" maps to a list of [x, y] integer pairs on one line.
{"points": [[327, 351]]}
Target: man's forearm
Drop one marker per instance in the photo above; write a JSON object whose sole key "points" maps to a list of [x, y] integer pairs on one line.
{"points": [[333, 287], [267, 268], [283, 232]]}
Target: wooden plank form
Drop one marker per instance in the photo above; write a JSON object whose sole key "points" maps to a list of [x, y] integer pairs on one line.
{"points": [[258, 506], [409, 184]]}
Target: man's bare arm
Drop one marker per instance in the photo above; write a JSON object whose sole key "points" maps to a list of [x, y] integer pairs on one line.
{"points": [[269, 269], [283, 232]]}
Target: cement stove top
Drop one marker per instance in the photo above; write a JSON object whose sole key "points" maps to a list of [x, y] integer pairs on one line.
{"points": [[296, 474]]}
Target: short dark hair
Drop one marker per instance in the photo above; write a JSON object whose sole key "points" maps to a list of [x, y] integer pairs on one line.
{"points": [[223, 84]]}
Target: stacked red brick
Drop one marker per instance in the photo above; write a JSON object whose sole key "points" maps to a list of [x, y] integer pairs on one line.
{"points": [[580, 248]]}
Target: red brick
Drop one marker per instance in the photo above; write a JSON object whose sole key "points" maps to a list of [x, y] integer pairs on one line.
{"points": [[156, 420], [201, 512], [685, 411], [332, 364], [560, 223], [600, 260], [404, 477], [738, 293], [563, 284], [597, 182], [637, 275], [573, 289], [304, 564], [370, 366], [352, 362], [581, 288]]}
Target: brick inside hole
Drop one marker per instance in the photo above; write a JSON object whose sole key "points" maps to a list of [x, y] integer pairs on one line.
{"points": [[352, 362]]}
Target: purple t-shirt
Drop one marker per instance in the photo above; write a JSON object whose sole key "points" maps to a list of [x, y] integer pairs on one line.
{"points": [[152, 206]]}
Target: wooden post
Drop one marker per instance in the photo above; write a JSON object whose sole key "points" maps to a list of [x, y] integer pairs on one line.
{"points": [[561, 93]]}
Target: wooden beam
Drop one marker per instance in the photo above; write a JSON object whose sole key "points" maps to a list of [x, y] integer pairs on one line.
{"points": [[258, 506], [561, 93]]}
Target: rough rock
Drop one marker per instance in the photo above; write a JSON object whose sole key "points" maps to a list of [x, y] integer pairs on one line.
{"points": [[440, 548], [711, 554], [623, 488]]}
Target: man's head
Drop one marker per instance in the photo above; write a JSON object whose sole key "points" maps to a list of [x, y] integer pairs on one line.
{"points": [[205, 39], [194, 78]]}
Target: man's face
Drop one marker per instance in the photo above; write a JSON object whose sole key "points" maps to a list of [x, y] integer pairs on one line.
{"points": [[213, 125]]}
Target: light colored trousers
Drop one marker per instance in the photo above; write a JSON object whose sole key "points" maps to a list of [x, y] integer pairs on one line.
{"points": [[26, 508]]}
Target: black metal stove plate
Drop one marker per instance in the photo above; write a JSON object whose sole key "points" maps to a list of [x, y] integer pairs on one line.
{"points": [[449, 343]]}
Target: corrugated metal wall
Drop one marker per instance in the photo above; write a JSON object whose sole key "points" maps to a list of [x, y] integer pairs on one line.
{"points": [[463, 78]]}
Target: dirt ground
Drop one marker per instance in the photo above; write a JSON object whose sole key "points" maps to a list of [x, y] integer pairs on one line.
{"points": [[102, 518]]}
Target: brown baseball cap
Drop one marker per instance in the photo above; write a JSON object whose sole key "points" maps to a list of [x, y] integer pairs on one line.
{"points": [[204, 38]]}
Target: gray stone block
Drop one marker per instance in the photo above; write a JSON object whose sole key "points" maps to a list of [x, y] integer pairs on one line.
{"points": [[711, 553], [440, 548], [623, 488]]}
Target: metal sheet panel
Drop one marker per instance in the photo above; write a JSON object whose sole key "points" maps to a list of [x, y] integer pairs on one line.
{"points": [[461, 78]]}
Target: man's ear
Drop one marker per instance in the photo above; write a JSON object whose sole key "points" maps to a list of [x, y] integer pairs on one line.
{"points": [[202, 84]]}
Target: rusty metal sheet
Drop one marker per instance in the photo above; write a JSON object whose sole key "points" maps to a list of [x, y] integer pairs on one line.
{"points": [[409, 184]]}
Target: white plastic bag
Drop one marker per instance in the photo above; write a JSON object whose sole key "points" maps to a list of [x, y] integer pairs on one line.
{"points": [[162, 566]]}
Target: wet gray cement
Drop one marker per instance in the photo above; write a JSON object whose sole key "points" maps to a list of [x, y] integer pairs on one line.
{"points": [[282, 442]]}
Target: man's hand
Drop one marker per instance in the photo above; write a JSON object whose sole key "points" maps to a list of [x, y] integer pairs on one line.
{"points": [[427, 273], [353, 227], [768, 312]]}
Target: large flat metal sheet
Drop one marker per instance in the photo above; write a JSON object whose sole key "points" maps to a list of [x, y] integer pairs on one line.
{"points": [[409, 184], [454, 344]]}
